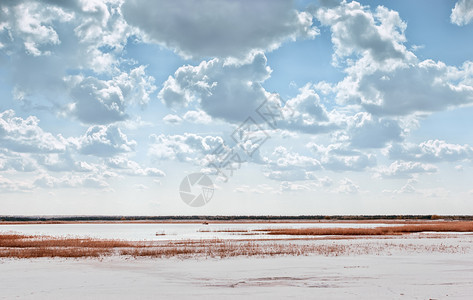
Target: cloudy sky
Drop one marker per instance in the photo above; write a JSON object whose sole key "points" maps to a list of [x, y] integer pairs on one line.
{"points": [[291, 107]]}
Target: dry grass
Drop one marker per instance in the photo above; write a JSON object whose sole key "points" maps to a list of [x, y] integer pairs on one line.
{"points": [[225, 249], [24, 246], [54, 252], [27, 246], [225, 230], [388, 230]]}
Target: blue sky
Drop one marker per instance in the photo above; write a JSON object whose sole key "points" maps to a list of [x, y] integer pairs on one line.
{"points": [[107, 105]]}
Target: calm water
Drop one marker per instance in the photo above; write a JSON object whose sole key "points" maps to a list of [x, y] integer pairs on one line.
{"points": [[141, 232]]}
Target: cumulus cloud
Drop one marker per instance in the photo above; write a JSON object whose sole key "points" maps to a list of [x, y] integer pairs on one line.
{"points": [[356, 30], [462, 13], [346, 186], [219, 28], [197, 117], [42, 28], [287, 186], [258, 189], [98, 101], [172, 119], [32, 23], [407, 188], [230, 91], [405, 169], [71, 181], [424, 87], [100, 140], [305, 113], [64, 162], [187, 148], [286, 165], [95, 101], [132, 168], [25, 135], [431, 151], [46, 41], [14, 186], [367, 131], [233, 91], [20, 162], [339, 157], [382, 75]]}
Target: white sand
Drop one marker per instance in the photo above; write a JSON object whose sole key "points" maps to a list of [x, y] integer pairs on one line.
{"points": [[394, 274]]}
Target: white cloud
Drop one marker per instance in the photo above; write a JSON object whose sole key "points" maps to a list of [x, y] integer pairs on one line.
{"points": [[408, 188], [98, 101], [45, 41], [95, 181], [136, 85], [20, 162], [283, 159], [233, 92], [172, 119], [462, 13], [64, 162], [187, 148], [258, 189], [290, 166], [219, 28], [367, 131], [382, 75], [104, 141], [230, 91], [197, 116], [356, 30], [405, 169], [13, 186], [431, 151], [346, 186], [424, 87], [140, 187], [305, 113], [132, 168], [32, 23], [287, 186], [25, 135], [338, 157], [290, 175]]}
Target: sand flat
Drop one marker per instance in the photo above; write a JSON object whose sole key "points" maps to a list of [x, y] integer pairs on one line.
{"points": [[410, 266], [416, 275]]}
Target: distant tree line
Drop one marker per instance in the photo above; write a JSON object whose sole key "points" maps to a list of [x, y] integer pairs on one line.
{"points": [[231, 218]]}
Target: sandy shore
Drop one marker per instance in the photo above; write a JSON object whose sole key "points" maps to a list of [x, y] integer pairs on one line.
{"points": [[422, 265], [395, 276]]}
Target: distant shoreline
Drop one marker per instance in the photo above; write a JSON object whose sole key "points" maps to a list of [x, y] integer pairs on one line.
{"points": [[9, 220]]}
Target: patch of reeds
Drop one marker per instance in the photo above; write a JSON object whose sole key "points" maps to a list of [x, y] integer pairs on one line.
{"points": [[388, 230], [27, 246]]}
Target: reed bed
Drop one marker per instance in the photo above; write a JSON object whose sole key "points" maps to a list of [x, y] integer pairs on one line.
{"points": [[62, 247], [225, 230], [388, 230], [27, 246]]}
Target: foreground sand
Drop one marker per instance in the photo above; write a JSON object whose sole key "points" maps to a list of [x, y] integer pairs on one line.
{"points": [[396, 276], [396, 263], [410, 267]]}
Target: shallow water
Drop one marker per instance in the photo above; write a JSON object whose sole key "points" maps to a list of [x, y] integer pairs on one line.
{"points": [[169, 231]]}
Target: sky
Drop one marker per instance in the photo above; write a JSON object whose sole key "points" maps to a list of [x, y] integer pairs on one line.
{"points": [[298, 107]]}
